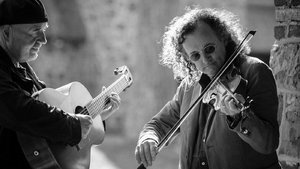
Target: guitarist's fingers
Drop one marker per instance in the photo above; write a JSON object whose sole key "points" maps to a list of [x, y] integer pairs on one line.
{"points": [[115, 98], [113, 101], [89, 123], [90, 119]]}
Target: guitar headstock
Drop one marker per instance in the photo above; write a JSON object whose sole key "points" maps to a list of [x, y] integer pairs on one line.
{"points": [[126, 73]]}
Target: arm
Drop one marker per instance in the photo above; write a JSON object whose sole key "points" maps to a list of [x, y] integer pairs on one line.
{"points": [[157, 128], [22, 113], [163, 121], [258, 126]]}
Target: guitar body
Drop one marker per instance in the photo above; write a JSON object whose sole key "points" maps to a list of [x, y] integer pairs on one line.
{"points": [[67, 98]]}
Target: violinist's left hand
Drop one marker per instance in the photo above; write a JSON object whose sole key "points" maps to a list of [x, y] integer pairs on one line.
{"points": [[111, 106], [229, 104]]}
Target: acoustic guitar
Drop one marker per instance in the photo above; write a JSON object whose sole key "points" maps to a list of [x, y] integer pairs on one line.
{"points": [[72, 98]]}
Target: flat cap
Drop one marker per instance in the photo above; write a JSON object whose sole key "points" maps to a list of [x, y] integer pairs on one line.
{"points": [[22, 12]]}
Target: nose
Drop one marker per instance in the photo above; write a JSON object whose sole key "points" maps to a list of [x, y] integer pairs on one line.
{"points": [[205, 58], [42, 38]]}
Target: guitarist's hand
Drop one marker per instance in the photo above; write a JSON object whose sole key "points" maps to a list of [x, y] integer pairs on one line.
{"points": [[111, 106], [86, 122]]}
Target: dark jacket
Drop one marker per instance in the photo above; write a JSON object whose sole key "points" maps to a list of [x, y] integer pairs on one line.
{"points": [[19, 112], [206, 138]]}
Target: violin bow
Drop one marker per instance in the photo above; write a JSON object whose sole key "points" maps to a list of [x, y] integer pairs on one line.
{"points": [[229, 61]]}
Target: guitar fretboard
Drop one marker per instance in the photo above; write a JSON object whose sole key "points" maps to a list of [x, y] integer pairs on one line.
{"points": [[97, 104]]}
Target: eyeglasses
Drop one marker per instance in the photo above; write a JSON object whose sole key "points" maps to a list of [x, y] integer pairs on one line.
{"points": [[208, 49]]}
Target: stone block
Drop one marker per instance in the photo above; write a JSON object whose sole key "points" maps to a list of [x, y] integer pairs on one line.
{"points": [[285, 63], [287, 165], [287, 15], [279, 32], [280, 3], [295, 2], [294, 31], [280, 107], [292, 110], [289, 149]]}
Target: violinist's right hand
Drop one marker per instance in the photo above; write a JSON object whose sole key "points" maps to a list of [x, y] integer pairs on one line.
{"points": [[146, 152]]}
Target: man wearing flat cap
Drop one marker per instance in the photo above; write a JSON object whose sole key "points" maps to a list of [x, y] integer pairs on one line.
{"points": [[22, 33]]}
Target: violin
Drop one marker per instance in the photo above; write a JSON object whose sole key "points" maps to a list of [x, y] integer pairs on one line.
{"points": [[215, 90], [226, 86]]}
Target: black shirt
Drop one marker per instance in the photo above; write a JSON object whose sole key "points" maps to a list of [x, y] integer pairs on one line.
{"points": [[19, 112]]}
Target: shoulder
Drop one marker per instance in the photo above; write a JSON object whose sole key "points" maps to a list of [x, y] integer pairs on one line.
{"points": [[258, 74], [5, 65], [32, 73], [186, 84], [252, 61], [5, 71], [252, 65]]}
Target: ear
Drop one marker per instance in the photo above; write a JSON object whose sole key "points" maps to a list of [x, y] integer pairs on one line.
{"points": [[6, 32]]}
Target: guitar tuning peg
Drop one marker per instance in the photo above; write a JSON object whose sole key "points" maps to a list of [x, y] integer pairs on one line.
{"points": [[116, 71], [119, 70]]}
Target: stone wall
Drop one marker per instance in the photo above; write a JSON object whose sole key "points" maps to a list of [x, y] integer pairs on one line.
{"points": [[285, 62]]}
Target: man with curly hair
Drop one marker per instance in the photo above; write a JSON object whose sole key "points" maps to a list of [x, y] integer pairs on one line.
{"points": [[196, 45]]}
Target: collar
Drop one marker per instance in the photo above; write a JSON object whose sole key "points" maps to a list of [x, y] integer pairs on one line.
{"points": [[204, 80], [5, 59]]}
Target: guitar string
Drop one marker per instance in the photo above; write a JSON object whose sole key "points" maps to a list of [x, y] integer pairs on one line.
{"points": [[112, 85], [96, 106], [118, 88], [86, 112], [93, 108]]}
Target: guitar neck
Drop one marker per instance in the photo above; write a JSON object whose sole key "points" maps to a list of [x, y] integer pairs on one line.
{"points": [[97, 104]]}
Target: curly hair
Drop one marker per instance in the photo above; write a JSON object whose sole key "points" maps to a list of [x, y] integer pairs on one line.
{"points": [[224, 23]]}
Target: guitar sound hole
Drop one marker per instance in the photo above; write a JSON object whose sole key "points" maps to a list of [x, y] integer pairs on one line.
{"points": [[106, 101], [80, 110]]}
